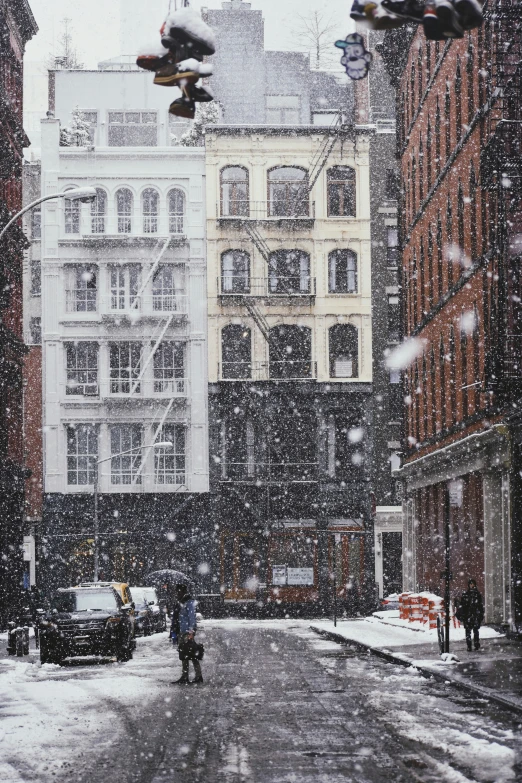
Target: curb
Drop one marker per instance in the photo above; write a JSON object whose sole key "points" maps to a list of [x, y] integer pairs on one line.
{"points": [[405, 660]]}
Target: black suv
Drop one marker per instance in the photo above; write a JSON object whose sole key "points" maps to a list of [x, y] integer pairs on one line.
{"points": [[86, 621]]}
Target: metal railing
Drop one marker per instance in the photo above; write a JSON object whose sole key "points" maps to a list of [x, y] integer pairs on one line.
{"points": [[290, 370], [274, 285], [122, 304], [273, 209], [119, 386], [286, 472]]}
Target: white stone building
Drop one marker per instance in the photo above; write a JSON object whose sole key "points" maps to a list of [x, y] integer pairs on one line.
{"points": [[124, 311]]}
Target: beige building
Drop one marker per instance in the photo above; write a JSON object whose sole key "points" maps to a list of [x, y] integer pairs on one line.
{"points": [[290, 358], [259, 175]]}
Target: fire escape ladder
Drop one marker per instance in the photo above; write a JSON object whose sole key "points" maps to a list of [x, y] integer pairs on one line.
{"points": [[165, 413], [161, 250], [318, 163], [164, 326], [257, 239]]}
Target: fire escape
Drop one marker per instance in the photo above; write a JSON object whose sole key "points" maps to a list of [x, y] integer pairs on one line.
{"points": [[501, 175], [278, 472]]}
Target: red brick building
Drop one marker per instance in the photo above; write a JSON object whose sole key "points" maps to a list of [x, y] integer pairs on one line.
{"points": [[459, 212], [17, 26]]}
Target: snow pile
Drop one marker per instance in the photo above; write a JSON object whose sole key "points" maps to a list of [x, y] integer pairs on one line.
{"points": [[53, 713], [152, 49], [405, 353], [204, 69], [191, 23]]}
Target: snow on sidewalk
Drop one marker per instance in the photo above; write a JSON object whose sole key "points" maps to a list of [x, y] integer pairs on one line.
{"points": [[386, 630], [51, 713]]}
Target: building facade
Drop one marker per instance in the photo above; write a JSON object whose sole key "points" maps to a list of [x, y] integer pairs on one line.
{"points": [[456, 261], [124, 329], [290, 360], [17, 26], [386, 321]]}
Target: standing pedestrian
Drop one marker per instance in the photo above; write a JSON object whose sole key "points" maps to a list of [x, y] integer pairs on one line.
{"points": [[184, 626], [471, 613]]}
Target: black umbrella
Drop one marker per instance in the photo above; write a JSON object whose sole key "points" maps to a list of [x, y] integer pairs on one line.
{"points": [[168, 577]]}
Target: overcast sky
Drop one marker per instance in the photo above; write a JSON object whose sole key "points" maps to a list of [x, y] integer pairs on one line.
{"points": [[96, 27]]}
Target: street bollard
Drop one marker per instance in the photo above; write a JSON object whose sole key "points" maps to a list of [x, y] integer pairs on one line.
{"points": [[11, 638]]}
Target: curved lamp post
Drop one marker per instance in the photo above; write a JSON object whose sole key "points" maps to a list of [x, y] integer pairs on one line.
{"points": [[162, 444], [74, 194]]}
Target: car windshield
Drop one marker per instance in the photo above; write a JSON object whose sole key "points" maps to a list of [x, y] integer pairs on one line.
{"points": [[143, 595], [84, 601]]}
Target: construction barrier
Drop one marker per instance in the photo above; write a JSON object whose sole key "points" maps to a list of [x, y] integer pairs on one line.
{"points": [[424, 608]]}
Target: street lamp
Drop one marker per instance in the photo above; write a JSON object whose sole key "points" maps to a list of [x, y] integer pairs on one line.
{"points": [[162, 444], [74, 194]]}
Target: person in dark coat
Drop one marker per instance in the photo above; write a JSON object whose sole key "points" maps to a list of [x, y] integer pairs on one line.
{"points": [[471, 613], [184, 627]]}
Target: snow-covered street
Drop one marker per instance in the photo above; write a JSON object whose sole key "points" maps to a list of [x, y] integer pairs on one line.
{"points": [[278, 704]]}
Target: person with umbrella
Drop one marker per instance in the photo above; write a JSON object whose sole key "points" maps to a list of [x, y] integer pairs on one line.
{"points": [[183, 631]]}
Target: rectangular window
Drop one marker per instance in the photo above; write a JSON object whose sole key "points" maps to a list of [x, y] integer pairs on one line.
{"points": [[124, 283], [392, 184], [394, 320], [169, 369], [36, 277], [165, 292], [82, 368], [133, 129], [36, 223], [169, 463], [82, 454], [125, 466], [125, 365], [72, 216], [82, 293], [35, 329], [392, 248], [282, 109], [395, 377], [91, 117]]}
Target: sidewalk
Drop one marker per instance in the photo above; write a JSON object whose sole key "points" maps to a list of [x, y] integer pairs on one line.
{"points": [[494, 672]]}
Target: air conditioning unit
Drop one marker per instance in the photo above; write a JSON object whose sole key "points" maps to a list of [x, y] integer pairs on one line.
{"points": [[90, 390]]}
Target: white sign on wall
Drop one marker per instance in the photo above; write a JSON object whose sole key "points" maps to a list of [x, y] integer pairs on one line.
{"points": [[455, 489], [300, 576], [279, 575]]}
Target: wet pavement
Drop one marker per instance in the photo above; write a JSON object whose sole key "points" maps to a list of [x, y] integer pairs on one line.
{"points": [[281, 705]]}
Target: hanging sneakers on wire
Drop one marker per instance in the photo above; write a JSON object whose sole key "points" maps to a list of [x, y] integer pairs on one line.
{"points": [[470, 13], [177, 60]]}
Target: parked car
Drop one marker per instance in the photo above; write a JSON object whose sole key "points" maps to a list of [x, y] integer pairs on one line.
{"points": [[86, 621], [153, 612], [122, 588], [389, 602]]}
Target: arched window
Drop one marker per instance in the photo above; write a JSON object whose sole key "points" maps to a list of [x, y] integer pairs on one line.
{"points": [[99, 212], [176, 202], [72, 215], [447, 120], [342, 272], [124, 203], [236, 352], [470, 76], [473, 222], [234, 192], [288, 192], [235, 272], [458, 101], [344, 351], [150, 208], [290, 352], [289, 272], [342, 201]]}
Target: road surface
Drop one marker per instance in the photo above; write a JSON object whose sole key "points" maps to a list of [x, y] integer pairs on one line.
{"points": [[279, 705]]}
